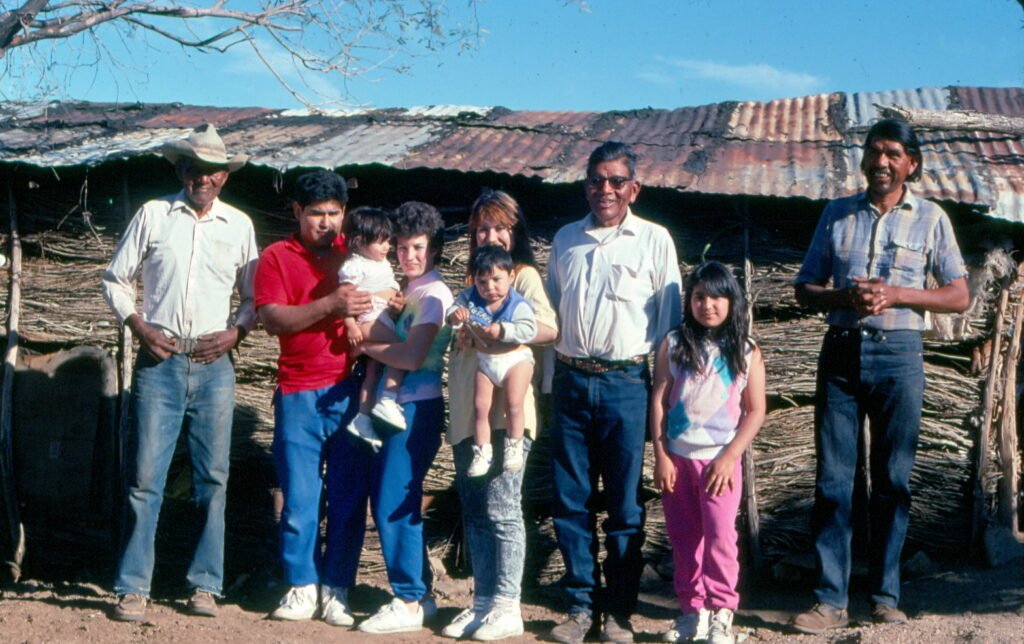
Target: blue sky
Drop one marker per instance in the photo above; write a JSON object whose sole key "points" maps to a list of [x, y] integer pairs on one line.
{"points": [[549, 55]]}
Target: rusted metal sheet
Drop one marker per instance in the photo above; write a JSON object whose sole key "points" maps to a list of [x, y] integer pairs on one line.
{"points": [[805, 147]]}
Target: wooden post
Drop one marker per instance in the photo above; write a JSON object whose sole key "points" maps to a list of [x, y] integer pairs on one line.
{"points": [[124, 363], [1008, 459], [749, 484], [981, 462], [14, 546]]}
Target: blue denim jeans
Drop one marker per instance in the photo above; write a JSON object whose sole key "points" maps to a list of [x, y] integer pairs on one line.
{"points": [[492, 513], [878, 374], [600, 421], [168, 397], [393, 481], [309, 438]]}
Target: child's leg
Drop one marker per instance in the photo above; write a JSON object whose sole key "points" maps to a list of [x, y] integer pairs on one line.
{"points": [[380, 330], [483, 395], [368, 390], [721, 555], [516, 382], [683, 516]]}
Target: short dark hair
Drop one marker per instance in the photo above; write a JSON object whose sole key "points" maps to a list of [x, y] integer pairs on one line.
{"points": [[322, 185], [485, 259], [366, 225], [902, 132], [613, 151], [417, 218]]}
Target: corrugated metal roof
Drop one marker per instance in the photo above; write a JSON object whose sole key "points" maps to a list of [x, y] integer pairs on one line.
{"points": [[799, 147]]}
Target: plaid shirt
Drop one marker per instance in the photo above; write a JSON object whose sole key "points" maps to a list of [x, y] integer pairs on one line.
{"points": [[902, 246]]}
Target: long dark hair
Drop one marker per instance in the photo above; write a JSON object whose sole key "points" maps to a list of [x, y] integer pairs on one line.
{"points": [[732, 337]]}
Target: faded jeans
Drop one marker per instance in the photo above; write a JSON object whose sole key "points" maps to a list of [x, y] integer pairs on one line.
{"points": [[492, 510], [169, 397], [879, 374]]}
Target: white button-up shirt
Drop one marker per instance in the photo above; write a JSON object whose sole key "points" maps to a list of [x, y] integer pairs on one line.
{"points": [[617, 291], [189, 266]]}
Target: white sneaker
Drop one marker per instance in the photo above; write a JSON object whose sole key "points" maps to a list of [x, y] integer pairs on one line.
{"points": [[482, 457], [387, 410], [499, 624], [362, 427], [394, 618], [514, 458], [464, 624], [720, 631], [334, 606], [689, 627], [298, 604]]}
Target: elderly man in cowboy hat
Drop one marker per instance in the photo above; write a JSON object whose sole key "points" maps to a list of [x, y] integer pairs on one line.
{"points": [[191, 251]]}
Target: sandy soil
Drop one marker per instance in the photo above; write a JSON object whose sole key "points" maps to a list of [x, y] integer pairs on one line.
{"points": [[950, 604]]}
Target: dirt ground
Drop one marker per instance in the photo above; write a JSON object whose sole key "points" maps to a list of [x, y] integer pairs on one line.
{"points": [[952, 603]]}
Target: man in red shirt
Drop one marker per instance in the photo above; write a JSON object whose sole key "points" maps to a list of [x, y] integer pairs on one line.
{"points": [[298, 299]]}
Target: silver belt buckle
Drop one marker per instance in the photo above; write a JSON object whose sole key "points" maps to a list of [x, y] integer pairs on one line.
{"points": [[186, 345]]}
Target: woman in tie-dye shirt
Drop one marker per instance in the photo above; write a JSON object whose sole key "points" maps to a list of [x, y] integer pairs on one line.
{"points": [[707, 405]]}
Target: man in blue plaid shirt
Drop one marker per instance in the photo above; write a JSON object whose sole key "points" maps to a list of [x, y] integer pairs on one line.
{"points": [[867, 265]]}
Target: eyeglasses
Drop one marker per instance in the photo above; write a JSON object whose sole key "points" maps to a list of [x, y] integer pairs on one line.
{"points": [[617, 183]]}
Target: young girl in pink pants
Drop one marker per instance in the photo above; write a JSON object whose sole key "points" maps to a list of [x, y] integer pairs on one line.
{"points": [[707, 405]]}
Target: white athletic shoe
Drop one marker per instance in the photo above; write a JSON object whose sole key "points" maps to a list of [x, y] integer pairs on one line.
{"points": [[720, 631], [388, 411], [464, 624], [514, 457], [689, 627], [394, 618], [298, 604], [499, 624], [482, 457], [362, 427], [334, 606]]}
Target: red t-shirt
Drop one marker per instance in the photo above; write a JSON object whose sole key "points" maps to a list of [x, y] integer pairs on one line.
{"points": [[290, 275]]}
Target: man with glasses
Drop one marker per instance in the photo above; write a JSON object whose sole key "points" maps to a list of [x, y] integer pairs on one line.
{"points": [[614, 281]]}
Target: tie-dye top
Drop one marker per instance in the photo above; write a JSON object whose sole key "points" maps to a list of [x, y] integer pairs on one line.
{"points": [[707, 407]]}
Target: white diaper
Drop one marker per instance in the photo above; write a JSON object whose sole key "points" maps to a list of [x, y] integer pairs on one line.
{"points": [[496, 365]]}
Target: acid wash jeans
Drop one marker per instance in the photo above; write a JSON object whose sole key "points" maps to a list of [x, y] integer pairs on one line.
{"points": [[492, 508]]}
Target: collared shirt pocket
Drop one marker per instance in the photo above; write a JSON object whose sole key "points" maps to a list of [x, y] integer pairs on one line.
{"points": [[908, 263], [627, 283]]}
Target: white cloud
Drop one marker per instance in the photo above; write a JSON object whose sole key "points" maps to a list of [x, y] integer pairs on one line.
{"points": [[780, 82]]}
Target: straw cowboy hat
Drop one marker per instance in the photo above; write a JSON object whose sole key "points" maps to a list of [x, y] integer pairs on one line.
{"points": [[203, 144]]}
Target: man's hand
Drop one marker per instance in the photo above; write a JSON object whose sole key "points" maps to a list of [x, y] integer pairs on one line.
{"points": [[872, 296], [211, 347], [349, 302], [152, 339]]}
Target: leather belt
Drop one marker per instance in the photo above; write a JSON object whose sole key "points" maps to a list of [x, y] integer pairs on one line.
{"points": [[600, 365]]}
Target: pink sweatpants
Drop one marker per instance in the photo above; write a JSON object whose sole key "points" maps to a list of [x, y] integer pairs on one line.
{"points": [[702, 529]]}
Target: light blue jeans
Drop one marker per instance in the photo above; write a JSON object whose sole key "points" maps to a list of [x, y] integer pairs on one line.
{"points": [[492, 509], [168, 397]]}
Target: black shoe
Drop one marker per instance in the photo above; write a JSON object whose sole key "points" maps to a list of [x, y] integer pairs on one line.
{"points": [[616, 629], [574, 629]]}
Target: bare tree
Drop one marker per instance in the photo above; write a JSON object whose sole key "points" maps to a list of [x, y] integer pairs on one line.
{"points": [[341, 37]]}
